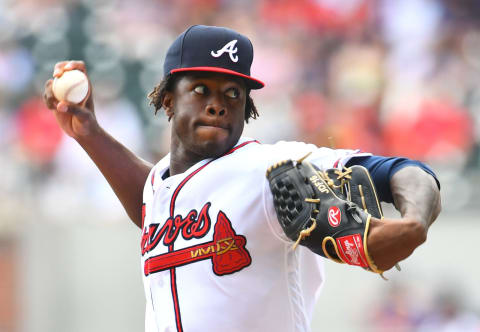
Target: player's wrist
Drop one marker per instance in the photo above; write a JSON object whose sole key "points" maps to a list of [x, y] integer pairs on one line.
{"points": [[90, 134], [415, 230]]}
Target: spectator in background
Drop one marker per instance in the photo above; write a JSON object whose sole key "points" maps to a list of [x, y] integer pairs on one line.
{"points": [[414, 79], [38, 135], [394, 312], [449, 314]]}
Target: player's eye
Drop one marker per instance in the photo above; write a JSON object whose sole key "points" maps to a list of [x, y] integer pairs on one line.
{"points": [[232, 93], [200, 89]]}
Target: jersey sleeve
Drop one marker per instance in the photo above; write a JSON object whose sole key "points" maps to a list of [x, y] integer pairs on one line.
{"points": [[152, 182], [148, 195], [322, 157], [382, 169], [325, 158]]}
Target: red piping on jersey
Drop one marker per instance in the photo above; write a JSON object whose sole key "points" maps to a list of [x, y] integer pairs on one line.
{"points": [[180, 186], [173, 282], [336, 163]]}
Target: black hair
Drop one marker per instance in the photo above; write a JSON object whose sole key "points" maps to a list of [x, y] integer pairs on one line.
{"points": [[167, 84]]}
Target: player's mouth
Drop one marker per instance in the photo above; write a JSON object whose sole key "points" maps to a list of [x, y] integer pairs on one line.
{"points": [[213, 130], [213, 125]]}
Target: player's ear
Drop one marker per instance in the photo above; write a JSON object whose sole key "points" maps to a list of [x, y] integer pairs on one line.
{"points": [[167, 104]]}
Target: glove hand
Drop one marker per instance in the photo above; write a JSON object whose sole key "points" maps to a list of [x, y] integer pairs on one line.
{"points": [[392, 240], [313, 209]]}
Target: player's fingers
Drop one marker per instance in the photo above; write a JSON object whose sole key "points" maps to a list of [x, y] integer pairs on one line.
{"points": [[76, 64], [81, 113], [88, 102], [48, 96], [61, 67]]}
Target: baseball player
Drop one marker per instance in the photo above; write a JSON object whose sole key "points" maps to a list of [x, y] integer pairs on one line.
{"points": [[213, 256]]}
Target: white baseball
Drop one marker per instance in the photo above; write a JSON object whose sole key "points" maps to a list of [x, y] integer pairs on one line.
{"points": [[72, 86]]}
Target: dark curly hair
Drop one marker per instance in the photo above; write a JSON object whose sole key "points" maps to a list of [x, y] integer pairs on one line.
{"points": [[167, 84]]}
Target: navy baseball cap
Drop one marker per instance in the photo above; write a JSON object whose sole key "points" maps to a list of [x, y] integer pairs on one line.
{"points": [[214, 49]]}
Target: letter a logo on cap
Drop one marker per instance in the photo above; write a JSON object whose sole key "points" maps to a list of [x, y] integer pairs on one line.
{"points": [[229, 48]]}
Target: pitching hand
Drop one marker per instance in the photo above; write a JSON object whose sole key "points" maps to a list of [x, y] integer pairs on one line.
{"points": [[76, 120]]}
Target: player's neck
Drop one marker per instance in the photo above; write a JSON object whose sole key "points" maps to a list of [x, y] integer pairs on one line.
{"points": [[181, 160], [179, 166]]}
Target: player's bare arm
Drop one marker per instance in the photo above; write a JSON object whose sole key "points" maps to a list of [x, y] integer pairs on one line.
{"points": [[417, 198], [416, 195], [112, 158]]}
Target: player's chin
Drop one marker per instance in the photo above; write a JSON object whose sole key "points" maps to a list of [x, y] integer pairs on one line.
{"points": [[214, 141]]}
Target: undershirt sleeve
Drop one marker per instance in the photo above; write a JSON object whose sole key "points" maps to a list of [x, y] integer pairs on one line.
{"points": [[383, 168]]}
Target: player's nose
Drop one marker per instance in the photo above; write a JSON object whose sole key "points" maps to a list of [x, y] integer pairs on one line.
{"points": [[215, 107]]}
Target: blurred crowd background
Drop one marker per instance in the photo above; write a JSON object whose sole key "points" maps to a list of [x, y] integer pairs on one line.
{"points": [[385, 76]]}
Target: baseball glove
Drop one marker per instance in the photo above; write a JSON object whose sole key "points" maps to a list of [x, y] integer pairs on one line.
{"points": [[327, 211]]}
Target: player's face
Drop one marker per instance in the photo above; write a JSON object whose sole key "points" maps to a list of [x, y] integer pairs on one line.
{"points": [[208, 112]]}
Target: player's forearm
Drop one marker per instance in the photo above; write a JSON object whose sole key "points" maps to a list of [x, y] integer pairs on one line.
{"points": [[416, 195], [125, 172]]}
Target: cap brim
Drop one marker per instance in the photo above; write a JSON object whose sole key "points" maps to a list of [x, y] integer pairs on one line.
{"points": [[252, 83]]}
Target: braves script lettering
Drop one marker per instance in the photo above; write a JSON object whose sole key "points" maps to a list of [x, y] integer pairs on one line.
{"points": [[194, 225], [226, 251]]}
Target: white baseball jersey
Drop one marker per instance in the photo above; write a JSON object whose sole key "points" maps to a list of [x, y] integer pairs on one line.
{"points": [[214, 257]]}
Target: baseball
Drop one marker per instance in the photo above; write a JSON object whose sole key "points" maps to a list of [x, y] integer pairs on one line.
{"points": [[72, 86]]}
